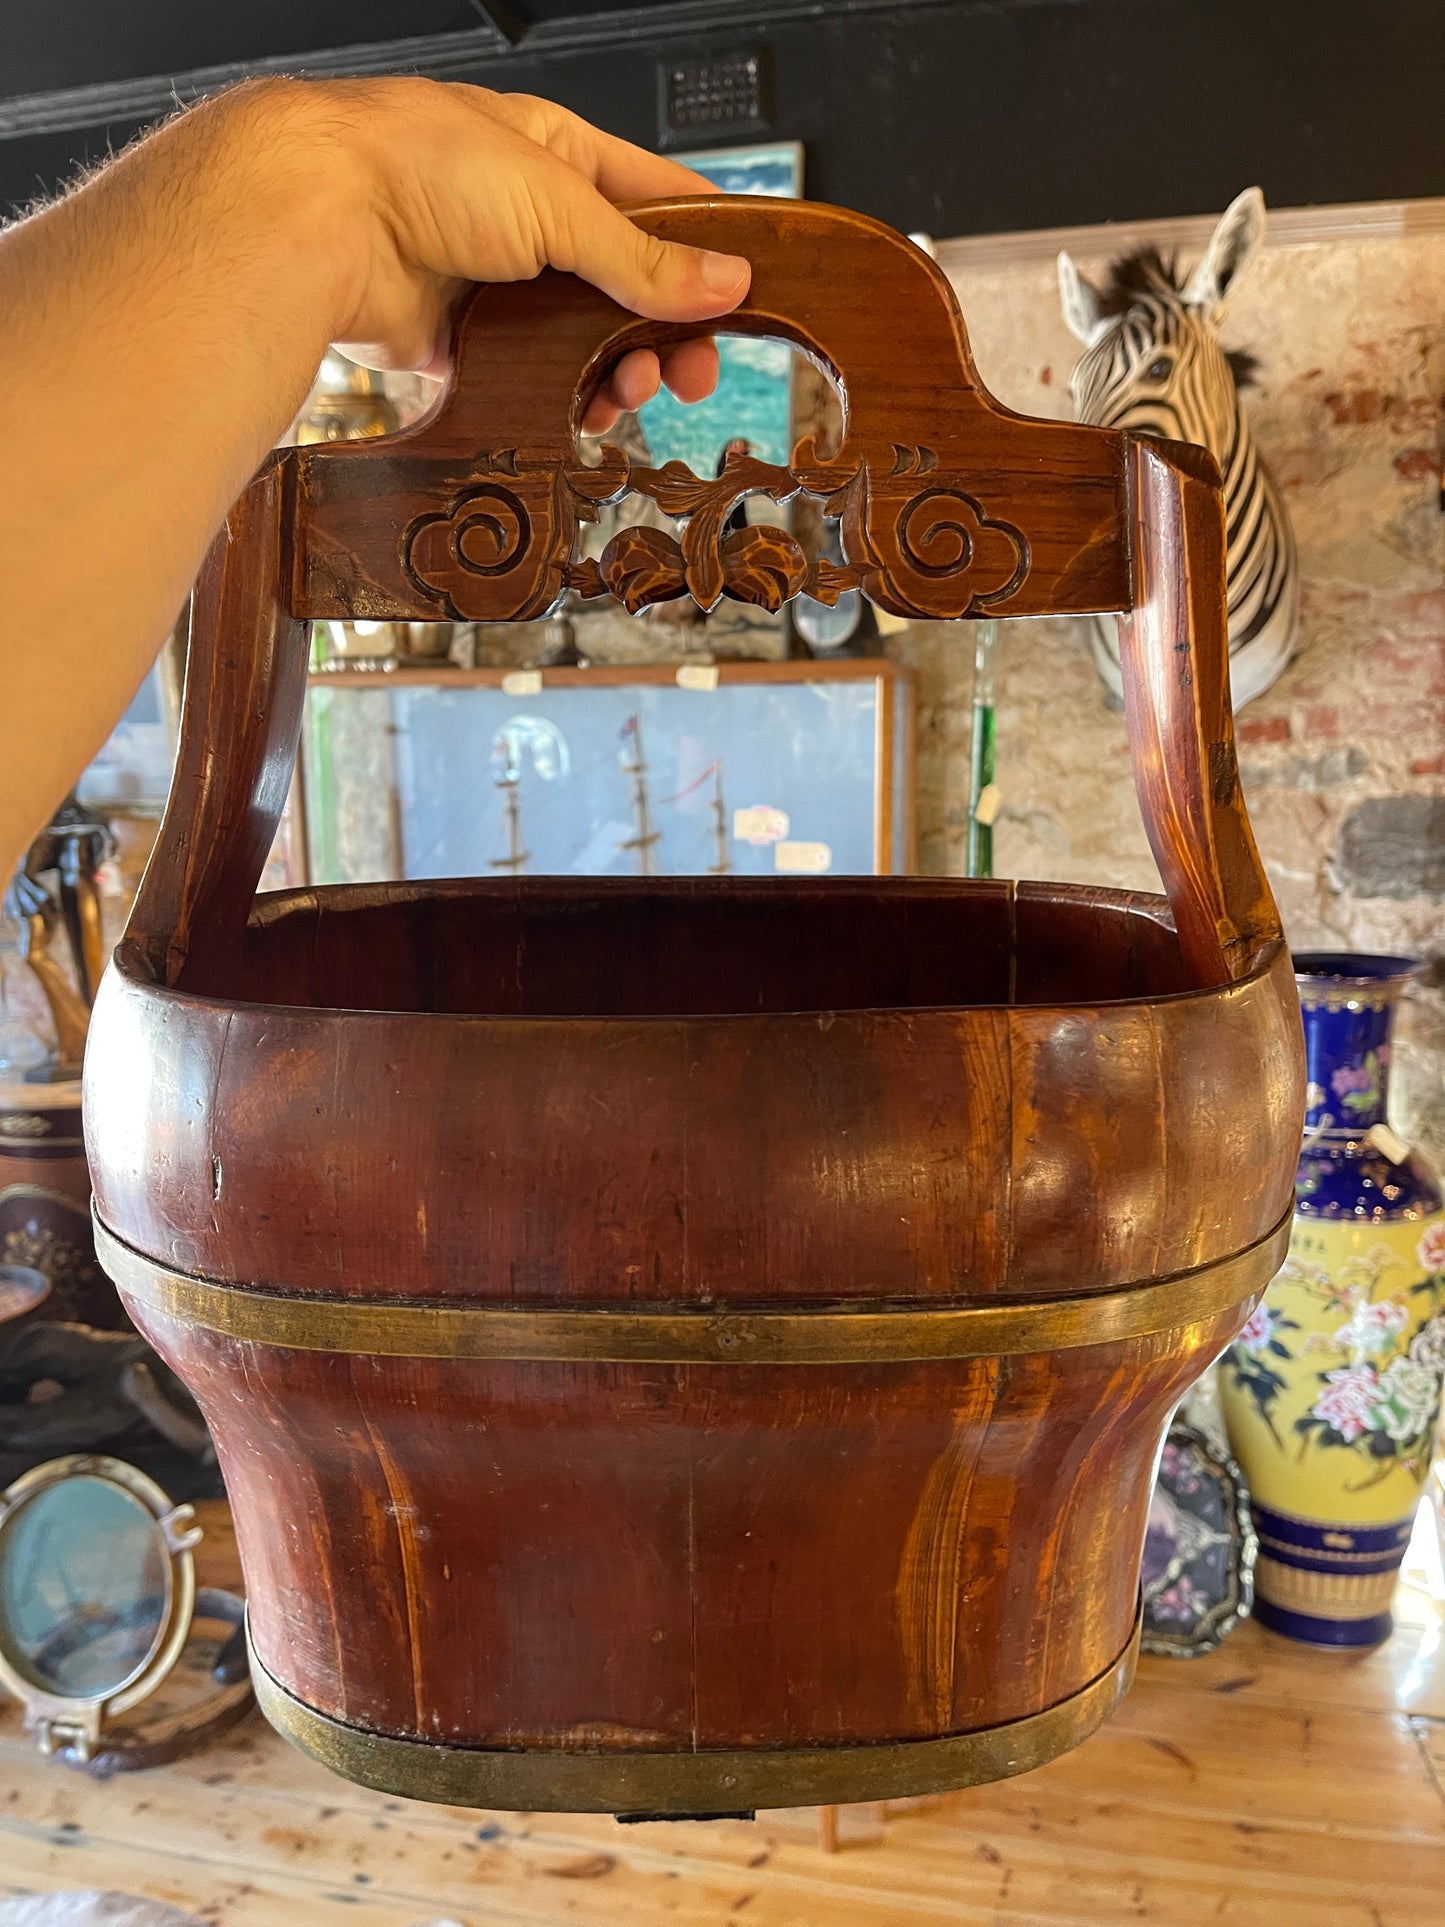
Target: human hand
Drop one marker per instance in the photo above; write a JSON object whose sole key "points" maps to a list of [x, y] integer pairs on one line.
{"points": [[216, 258], [450, 184]]}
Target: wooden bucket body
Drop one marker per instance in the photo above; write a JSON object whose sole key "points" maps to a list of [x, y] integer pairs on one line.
{"points": [[681, 1347], [656, 1393]]}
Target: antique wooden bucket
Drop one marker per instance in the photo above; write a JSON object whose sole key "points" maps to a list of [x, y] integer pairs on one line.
{"points": [[686, 1346]]}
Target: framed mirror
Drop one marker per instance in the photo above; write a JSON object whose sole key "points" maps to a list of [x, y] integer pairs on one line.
{"points": [[22, 1288], [741, 768], [97, 1594]]}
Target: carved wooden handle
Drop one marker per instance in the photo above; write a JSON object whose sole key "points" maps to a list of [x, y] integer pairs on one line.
{"points": [[949, 506]]}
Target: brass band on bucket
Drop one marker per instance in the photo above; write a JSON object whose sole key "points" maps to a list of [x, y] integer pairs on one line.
{"points": [[549, 1780], [871, 1333]]}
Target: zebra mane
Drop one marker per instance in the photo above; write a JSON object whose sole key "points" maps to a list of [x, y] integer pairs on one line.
{"points": [[1146, 272]]}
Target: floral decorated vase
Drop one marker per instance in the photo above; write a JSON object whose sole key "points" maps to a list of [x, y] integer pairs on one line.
{"points": [[1332, 1391]]}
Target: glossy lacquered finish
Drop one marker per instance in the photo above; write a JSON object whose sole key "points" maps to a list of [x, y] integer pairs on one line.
{"points": [[855, 1110], [641, 1781], [1332, 1392], [745, 1124]]}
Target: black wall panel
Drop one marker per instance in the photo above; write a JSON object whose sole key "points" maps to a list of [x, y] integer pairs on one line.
{"points": [[971, 117]]}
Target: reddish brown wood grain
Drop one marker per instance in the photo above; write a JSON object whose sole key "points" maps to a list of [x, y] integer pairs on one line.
{"points": [[1176, 696], [245, 683], [684, 1095], [663, 1557], [871, 1146], [921, 435]]}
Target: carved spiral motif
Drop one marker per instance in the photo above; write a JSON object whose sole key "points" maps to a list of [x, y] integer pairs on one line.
{"points": [[490, 528], [486, 532], [944, 532], [513, 523], [935, 531]]}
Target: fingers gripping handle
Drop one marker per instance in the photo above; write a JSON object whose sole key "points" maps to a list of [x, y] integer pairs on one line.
{"points": [[948, 505]]}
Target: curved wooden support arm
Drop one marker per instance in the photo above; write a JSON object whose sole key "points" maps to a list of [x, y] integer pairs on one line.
{"points": [[1174, 651], [240, 725], [949, 505]]}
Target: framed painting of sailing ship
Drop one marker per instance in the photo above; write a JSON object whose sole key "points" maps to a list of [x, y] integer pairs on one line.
{"points": [[757, 769]]}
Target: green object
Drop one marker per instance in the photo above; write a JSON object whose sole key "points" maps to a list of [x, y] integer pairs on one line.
{"points": [[979, 861], [320, 769]]}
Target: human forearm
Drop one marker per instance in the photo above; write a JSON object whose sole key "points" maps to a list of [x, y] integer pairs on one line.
{"points": [[159, 340]]}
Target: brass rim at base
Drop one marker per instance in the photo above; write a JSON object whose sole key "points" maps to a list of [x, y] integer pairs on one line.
{"points": [[679, 1784], [875, 1333]]}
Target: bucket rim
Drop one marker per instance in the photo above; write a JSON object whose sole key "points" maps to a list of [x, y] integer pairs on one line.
{"points": [[128, 963]]}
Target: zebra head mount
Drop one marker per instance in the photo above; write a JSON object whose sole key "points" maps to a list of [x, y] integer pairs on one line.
{"points": [[1153, 363]]}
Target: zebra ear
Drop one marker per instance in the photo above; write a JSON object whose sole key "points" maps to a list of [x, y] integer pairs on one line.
{"points": [[1082, 303], [1240, 231]]}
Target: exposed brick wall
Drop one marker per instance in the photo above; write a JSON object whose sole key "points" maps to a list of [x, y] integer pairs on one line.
{"points": [[1342, 756]]}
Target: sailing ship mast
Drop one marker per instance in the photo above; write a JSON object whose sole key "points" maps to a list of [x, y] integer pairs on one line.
{"points": [[724, 861], [507, 762], [717, 808], [647, 838], [517, 858]]}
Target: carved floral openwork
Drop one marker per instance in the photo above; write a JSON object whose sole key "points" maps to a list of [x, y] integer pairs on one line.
{"points": [[914, 537]]}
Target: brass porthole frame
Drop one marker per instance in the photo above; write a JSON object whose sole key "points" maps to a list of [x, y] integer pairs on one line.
{"points": [[77, 1720]]}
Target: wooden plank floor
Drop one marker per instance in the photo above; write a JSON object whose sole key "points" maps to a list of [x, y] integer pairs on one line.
{"points": [[1267, 1784]]}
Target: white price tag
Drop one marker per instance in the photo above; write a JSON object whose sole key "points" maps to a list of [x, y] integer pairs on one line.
{"points": [[1382, 1138], [988, 806], [803, 859], [760, 823], [697, 675], [522, 682]]}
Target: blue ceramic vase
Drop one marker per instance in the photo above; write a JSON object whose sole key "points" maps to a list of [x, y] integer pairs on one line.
{"points": [[1332, 1390]]}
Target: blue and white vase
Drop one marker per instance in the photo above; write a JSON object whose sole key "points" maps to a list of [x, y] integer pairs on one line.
{"points": [[1332, 1391]]}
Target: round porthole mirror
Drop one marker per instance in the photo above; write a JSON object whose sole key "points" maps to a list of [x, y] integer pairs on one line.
{"points": [[85, 1587], [21, 1289], [97, 1592]]}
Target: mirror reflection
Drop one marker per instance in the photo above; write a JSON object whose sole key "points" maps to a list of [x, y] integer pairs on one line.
{"points": [[85, 1582]]}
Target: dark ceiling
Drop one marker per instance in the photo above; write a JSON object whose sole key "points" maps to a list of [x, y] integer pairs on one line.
{"points": [[957, 116], [72, 43]]}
